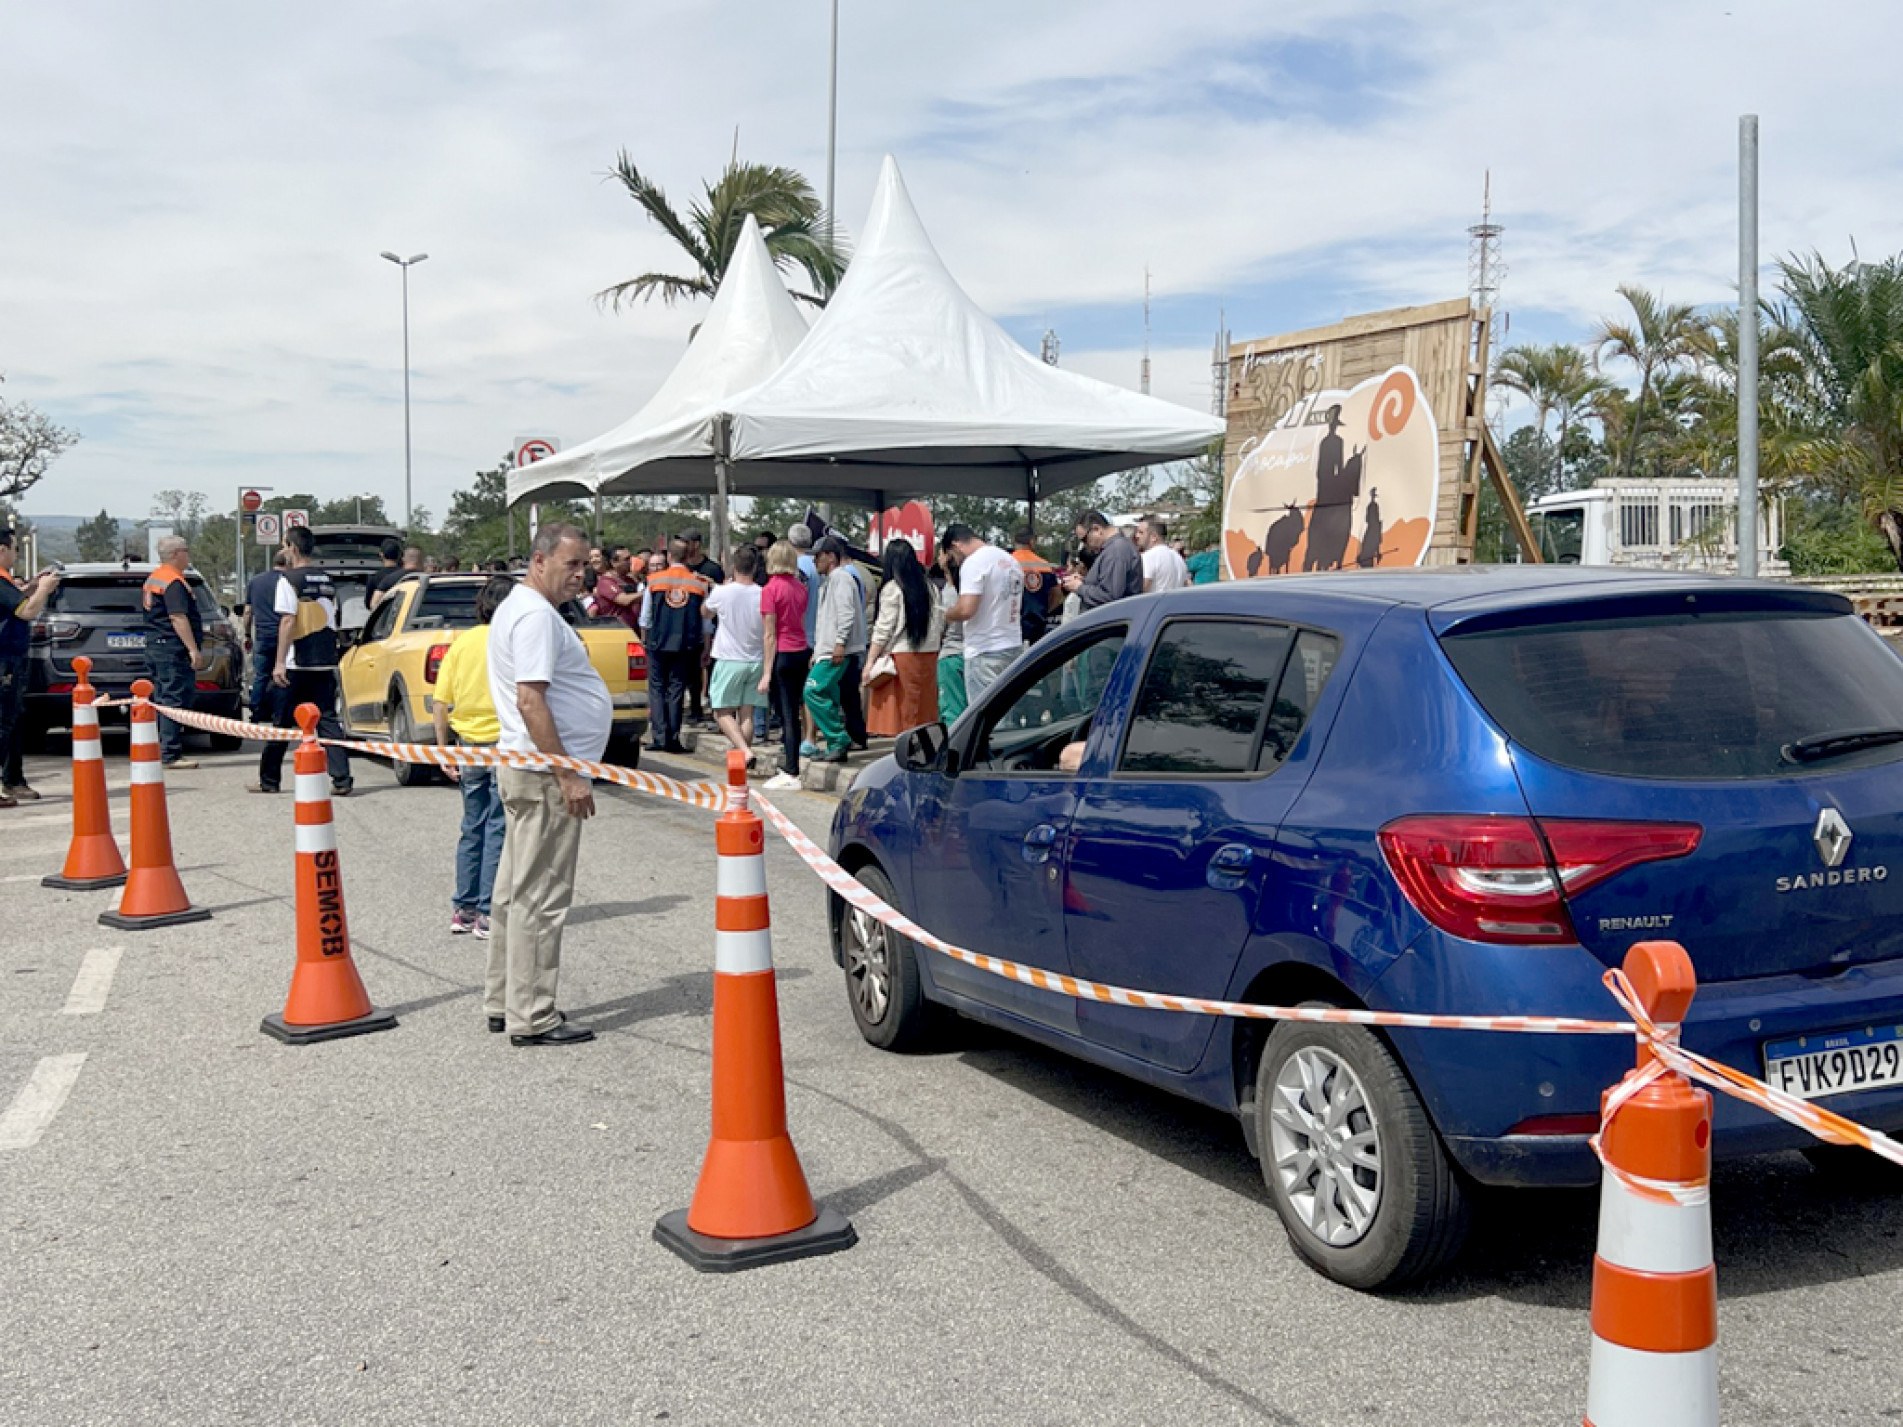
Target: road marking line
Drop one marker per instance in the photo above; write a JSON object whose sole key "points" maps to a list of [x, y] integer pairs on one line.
{"points": [[21, 877], [39, 1101], [94, 981], [54, 850]]}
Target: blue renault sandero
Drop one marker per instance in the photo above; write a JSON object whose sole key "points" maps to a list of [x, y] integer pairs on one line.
{"points": [[1459, 791]]}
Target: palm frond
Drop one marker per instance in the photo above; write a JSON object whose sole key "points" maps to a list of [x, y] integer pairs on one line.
{"points": [[667, 286]]}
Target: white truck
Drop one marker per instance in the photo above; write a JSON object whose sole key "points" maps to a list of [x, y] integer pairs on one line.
{"points": [[1654, 525]]}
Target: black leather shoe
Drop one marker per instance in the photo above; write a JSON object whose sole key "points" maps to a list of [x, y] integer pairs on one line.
{"points": [[559, 1034], [497, 1025]]}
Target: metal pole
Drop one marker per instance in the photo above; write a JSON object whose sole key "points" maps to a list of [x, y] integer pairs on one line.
{"points": [[1748, 345], [832, 124], [239, 534], [723, 439], [406, 398]]}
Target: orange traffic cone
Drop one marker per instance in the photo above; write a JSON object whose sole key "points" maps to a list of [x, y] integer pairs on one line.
{"points": [[327, 999], [1654, 1287], [154, 897], [92, 858], [751, 1206]]}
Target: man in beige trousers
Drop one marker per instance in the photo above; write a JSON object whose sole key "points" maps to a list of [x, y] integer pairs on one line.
{"points": [[548, 699]]}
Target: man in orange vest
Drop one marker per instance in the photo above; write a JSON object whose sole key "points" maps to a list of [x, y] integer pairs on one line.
{"points": [[671, 624], [1041, 591], [174, 640]]}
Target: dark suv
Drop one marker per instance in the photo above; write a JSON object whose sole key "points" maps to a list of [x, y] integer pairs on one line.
{"points": [[97, 612]]}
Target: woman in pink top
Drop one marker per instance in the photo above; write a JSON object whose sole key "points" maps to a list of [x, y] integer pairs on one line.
{"points": [[783, 637]]}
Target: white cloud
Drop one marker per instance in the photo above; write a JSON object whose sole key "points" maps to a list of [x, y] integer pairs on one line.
{"points": [[197, 193]]}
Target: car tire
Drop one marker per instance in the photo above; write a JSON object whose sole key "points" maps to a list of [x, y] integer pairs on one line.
{"points": [[624, 751], [883, 984], [224, 742], [1418, 1216], [408, 775]]}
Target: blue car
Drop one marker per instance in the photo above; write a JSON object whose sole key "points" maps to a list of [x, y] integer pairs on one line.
{"points": [[1457, 791]]}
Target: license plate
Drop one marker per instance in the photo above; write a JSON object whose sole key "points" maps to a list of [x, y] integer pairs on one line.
{"points": [[125, 641], [1836, 1062]]}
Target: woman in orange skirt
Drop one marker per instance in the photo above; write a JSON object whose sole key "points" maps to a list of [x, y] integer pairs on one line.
{"points": [[908, 627]]}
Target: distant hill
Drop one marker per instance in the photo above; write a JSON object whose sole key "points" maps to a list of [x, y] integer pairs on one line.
{"points": [[57, 540]]}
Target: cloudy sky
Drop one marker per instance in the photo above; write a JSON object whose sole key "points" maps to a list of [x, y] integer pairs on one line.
{"points": [[196, 192]]}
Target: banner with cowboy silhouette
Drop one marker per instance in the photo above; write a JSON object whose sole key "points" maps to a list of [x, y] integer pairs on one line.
{"points": [[1349, 447]]}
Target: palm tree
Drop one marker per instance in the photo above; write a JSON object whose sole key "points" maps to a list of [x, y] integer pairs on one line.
{"points": [[791, 218], [1556, 379], [1660, 338], [1847, 326]]}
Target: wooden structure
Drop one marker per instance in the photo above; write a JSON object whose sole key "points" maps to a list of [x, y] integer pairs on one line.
{"points": [[1445, 345]]}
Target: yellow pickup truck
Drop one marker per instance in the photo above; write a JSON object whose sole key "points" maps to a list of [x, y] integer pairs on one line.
{"points": [[389, 671]]}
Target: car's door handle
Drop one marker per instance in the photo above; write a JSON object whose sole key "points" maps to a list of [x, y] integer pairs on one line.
{"points": [[1229, 867], [1038, 843]]}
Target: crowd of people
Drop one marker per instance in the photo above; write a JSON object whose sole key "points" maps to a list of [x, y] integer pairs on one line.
{"points": [[805, 641]]}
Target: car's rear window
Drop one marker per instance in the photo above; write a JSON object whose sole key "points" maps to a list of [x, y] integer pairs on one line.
{"points": [[446, 607], [1715, 695], [120, 595]]}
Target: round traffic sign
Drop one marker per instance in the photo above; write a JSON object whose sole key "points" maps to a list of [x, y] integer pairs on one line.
{"points": [[251, 501], [533, 450]]}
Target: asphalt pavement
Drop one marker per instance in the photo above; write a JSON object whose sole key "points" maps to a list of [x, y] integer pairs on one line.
{"points": [[432, 1226]]}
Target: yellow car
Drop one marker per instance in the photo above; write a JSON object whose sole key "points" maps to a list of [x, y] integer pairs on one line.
{"points": [[389, 671]]}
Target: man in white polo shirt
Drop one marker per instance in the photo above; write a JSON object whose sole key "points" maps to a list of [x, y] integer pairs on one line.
{"points": [[1163, 568], [548, 699], [990, 587]]}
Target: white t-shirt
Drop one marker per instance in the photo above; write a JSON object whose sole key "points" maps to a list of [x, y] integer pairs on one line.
{"points": [[1164, 569], [997, 579], [530, 643], [741, 633]]}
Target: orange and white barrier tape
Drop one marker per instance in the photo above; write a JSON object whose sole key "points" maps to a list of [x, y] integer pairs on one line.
{"points": [[711, 797]]}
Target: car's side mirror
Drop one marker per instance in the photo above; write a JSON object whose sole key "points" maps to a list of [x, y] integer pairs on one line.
{"points": [[922, 749]]}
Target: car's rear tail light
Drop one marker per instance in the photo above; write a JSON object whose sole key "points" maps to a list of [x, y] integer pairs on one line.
{"points": [[206, 686], [637, 662], [1506, 879], [434, 662], [59, 688], [54, 631]]}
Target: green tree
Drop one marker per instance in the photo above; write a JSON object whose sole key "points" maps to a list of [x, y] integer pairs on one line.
{"points": [[99, 538], [184, 511], [1658, 339], [1847, 324], [1558, 381], [790, 216]]}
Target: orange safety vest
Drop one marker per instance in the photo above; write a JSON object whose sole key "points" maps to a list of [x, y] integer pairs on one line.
{"points": [[157, 620]]}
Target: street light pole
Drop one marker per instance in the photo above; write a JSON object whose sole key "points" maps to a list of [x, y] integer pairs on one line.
{"points": [[406, 264]]}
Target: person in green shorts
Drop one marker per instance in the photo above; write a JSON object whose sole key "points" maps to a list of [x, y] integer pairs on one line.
{"points": [[951, 651], [738, 656]]}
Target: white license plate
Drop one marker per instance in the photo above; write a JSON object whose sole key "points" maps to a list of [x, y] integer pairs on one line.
{"points": [[1836, 1062], [125, 641]]}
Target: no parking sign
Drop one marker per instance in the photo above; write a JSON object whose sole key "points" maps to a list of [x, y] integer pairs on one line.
{"points": [[530, 449], [270, 527]]}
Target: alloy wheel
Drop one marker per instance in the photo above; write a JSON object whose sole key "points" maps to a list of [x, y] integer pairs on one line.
{"points": [[1324, 1147], [868, 968]]}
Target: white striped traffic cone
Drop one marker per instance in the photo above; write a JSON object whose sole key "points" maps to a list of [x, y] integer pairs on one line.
{"points": [[327, 1000], [92, 858], [751, 1205], [154, 895], [1654, 1287]]}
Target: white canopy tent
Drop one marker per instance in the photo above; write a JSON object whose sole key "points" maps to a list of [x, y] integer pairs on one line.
{"points": [[904, 387], [667, 447]]}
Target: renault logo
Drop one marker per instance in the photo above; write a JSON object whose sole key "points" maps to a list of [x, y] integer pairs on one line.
{"points": [[1832, 837]]}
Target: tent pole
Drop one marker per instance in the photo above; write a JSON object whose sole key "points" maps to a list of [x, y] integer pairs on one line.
{"points": [[722, 442], [1030, 504]]}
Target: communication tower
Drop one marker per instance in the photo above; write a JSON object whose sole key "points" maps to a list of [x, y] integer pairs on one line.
{"points": [[1219, 369], [1485, 269], [1143, 381]]}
